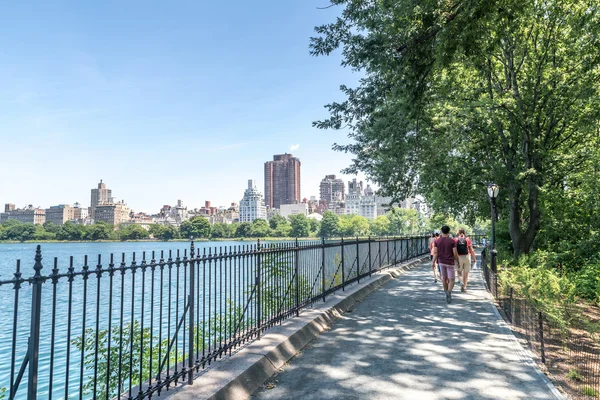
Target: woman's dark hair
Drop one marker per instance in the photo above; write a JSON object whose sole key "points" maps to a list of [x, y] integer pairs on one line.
{"points": [[461, 231], [445, 229]]}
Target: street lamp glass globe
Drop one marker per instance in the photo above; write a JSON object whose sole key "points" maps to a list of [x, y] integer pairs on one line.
{"points": [[493, 190]]}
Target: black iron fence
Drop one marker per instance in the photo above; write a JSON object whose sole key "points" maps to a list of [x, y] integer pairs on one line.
{"points": [[562, 339], [135, 325]]}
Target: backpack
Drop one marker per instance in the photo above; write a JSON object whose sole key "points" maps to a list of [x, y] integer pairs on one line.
{"points": [[461, 246]]}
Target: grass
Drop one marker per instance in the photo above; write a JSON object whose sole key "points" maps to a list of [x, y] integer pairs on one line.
{"points": [[589, 391], [574, 375]]}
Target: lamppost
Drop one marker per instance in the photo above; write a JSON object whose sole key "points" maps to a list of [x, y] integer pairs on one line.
{"points": [[493, 190]]}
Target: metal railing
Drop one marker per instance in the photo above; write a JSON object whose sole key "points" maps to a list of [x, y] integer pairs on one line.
{"points": [[561, 340], [134, 327]]}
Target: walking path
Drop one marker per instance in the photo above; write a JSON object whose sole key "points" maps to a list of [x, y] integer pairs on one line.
{"points": [[405, 342]]}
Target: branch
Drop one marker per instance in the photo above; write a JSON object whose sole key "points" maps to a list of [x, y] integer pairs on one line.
{"points": [[433, 32]]}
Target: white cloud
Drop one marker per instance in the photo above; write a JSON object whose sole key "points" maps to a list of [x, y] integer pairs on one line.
{"points": [[294, 147]]}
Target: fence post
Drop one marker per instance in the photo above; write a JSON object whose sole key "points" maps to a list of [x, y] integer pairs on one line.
{"points": [[34, 329], [296, 272], [541, 328], [511, 305], [380, 257], [387, 251], [323, 266], [370, 264], [357, 262], [395, 252], [343, 275], [191, 315], [257, 283]]}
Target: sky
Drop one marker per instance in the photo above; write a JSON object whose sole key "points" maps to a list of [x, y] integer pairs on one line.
{"points": [[162, 100]]}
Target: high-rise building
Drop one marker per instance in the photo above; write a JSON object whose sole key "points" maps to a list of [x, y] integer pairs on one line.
{"points": [[282, 181], [252, 205], [355, 188], [101, 195], [332, 189]]}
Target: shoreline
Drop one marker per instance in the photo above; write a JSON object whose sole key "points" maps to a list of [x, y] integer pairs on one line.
{"points": [[266, 239]]}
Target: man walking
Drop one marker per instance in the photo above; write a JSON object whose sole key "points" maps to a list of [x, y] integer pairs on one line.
{"points": [[431, 242], [464, 249], [444, 253]]}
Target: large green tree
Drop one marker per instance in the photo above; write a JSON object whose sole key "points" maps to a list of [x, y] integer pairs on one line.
{"points": [[458, 93], [197, 227], [300, 225], [329, 225]]}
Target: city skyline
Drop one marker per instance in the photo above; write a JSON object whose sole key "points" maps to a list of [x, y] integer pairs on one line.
{"points": [[156, 107]]}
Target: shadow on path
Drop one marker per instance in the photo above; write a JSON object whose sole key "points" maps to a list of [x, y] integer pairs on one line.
{"points": [[405, 342]]}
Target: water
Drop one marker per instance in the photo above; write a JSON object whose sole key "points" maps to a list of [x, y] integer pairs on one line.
{"points": [[84, 304]]}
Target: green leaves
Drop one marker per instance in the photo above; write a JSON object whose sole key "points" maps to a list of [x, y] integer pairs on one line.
{"points": [[458, 94]]}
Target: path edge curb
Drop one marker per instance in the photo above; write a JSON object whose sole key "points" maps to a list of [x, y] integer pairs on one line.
{"points": [[262, 364]]}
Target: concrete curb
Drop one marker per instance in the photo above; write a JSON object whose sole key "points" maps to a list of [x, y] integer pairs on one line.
{"points": [[240, 376]]}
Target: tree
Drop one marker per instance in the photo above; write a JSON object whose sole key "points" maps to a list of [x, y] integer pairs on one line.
{"points": [[276, 220], [19, 231], [197, 227], [315, 224], [260, 228], [98, 231], [300, 225], [458, 94], [353, 225], [329, 225], [71, 231], [380, 226], [222, 230], [243, 230], [163, 232], [283, 230], [51, 227], [132, 232]]}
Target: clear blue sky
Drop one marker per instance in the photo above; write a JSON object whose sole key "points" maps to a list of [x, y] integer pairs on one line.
{"points": [[161, 100]]}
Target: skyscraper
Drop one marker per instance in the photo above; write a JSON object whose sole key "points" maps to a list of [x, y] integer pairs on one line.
{"points": [[252, 206], [282, 180], [100, 196], [332, 189]]}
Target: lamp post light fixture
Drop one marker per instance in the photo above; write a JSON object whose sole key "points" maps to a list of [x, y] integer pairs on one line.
{"points": [[493, 190]]}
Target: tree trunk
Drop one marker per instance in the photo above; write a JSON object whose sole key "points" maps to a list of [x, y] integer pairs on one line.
{"points": [[522, 240]]}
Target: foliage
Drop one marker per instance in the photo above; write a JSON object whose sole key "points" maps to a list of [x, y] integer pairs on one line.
{"points": [[315, 225], [535, 278], [455, 95], [243, 229], [300, 225], [574, 375], [329, 225], [260, 228], [197, 227], [222, 230], [353, 225], [380, 226], [278, 288], [163, 232], [589, 391], [133, 232], [136, 346], [277, 220]]}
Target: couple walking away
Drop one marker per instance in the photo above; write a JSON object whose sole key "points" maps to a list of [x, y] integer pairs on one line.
{"points": [[447, 251]]}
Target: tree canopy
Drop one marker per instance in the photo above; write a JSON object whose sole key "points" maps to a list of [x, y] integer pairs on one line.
{"points": [[456, 94]]}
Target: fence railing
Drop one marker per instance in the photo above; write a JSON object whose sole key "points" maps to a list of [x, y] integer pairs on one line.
{"points": [[559, 338], [134, 325]]}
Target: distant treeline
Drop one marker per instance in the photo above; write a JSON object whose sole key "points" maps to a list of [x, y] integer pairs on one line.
{"points": [[397, 221]]}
